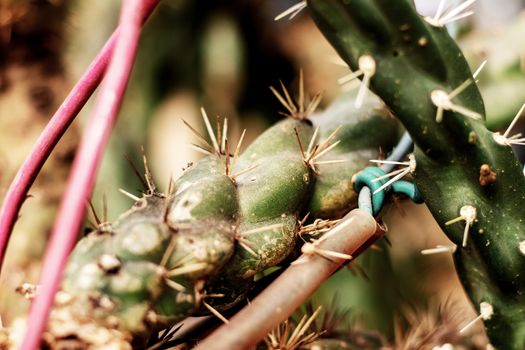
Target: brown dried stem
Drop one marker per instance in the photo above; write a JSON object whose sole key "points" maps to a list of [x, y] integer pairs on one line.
{"points": [[277, 302]]}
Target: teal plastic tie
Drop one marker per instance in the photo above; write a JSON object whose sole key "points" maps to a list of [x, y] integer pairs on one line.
{"points": [[409, 189], [368, 177]]}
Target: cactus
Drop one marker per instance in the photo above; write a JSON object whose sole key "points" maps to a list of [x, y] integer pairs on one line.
{"points": [[228, 218], [463, 170]]}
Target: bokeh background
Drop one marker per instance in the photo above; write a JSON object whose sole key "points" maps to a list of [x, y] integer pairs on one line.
{"points": [[223, 55]]}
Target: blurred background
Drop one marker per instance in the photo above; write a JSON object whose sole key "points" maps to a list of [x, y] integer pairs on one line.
{"points": [[223, 55]]}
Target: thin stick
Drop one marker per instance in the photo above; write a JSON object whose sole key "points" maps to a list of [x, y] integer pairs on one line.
{"points": [[82, 177], [53, 132], [273, 306]]}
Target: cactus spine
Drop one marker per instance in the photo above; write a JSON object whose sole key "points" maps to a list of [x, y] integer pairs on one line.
{"points": [[462, 171]]}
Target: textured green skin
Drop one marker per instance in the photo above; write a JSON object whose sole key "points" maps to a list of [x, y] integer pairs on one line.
{"points": [[491, 266], [200, 221], [203, 232], [273, 193], [361, 139]]}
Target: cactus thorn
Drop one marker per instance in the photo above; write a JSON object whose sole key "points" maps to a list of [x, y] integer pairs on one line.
{"points": [[94, 213], [237, 150], [309, 249], [184, 270], [167, 198], [201, 149], [319, 226], [211, 134], [367, 69], [292, 11], [303, 220], [317, 150], [136, 171], [442, 17], [278, 338], [486, 311], [259, 230], [222, 149], [129, 195], [174, 285], [215, 312], [169, 251], [467, 213], [200, 137], [443, 101], [147, 173], [302, 110], [410, 167], [440, 249], [234, 176], [504, 139], [244, 243], [478, 71], [101, 225]]}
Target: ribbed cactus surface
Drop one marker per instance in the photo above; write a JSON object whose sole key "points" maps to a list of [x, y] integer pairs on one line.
{"points": [[228, 218], [469, 176]]}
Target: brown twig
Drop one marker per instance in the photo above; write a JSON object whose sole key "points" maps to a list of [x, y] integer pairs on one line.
{"points": [[293, 287]]}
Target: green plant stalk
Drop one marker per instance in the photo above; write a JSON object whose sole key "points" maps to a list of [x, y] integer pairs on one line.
{"points": [[413, 59]]}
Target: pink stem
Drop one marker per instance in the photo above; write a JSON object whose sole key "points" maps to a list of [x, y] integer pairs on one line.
{"points": [[55, 129], [83, 173]]}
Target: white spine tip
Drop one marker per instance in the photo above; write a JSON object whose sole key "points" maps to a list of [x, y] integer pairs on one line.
{"points": [[468, 212], [522, 247], [500, 139], [485, 313], [412, 163], [367, 65], [442, 18], [440, 98], [486, 310], [308, 249]]}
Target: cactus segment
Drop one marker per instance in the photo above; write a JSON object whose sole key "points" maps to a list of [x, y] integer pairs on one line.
{"points": [[200, 247], [362, 133], [423, 78]]}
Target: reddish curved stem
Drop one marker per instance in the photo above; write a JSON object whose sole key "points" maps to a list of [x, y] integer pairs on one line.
{"points": [[55, 129], [85, 165]]}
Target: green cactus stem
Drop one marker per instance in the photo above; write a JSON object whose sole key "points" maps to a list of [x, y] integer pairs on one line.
{"points": [[420, 73], [226, 220]]}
